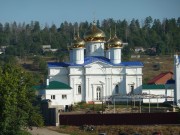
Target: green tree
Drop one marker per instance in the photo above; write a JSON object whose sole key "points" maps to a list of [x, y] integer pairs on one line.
{"points": [[16, 99]]}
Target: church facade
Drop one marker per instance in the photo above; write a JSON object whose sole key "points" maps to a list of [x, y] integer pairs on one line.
{"points": [[95, 71]]}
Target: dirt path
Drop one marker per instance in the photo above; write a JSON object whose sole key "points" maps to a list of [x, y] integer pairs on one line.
{"points": [[43, 131]]}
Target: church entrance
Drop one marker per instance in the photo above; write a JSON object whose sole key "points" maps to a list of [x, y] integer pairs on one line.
{"points": [[98, 93]]}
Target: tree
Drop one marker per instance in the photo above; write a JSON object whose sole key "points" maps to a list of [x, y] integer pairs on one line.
{"points": [[16, 99], [126, 53], [148, 22]]}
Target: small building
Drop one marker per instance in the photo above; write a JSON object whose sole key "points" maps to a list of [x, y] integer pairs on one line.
{"points": [[3, 49], [58, 93], [47, 48], [162, 78], [139, 49], [158, 93]]}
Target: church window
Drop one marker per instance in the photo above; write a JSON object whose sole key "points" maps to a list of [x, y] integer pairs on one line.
{"points": [[79, 89], [98, 93], [95, 47], [132, 89], [64, 96], [116, 89], [53, 96]]}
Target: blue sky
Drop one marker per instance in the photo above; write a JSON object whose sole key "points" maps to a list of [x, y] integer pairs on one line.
{"points": [[58, 11]]}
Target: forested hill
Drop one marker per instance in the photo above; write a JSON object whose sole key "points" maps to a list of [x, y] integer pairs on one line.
{"points": [[23, 39]]}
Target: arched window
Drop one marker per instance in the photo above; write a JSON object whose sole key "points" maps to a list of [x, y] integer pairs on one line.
{"points": [[98, 93], [116, 89], [79, 89]]}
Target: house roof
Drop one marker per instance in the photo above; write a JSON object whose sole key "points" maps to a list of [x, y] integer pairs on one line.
{"points": [[91, 59], [162, 76], [153, 86], [54, 85], [57, 85]]}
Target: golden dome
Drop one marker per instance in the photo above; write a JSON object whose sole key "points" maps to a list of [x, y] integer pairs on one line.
{"points": [[78, 42], [115, 42], [94, 34]]}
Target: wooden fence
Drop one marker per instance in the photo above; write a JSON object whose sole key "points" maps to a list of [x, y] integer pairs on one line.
{"points": [[120, 119]]}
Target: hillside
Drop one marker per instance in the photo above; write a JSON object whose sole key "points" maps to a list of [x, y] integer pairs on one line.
{"points": [[154, 65]]}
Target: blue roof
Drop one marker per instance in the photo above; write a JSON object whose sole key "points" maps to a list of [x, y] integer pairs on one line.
{"points": [[92, 59]]}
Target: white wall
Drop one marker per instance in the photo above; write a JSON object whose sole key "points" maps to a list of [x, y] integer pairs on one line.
{"points": [[115, 55], [58, 97], [94, 49], [162, 92]]}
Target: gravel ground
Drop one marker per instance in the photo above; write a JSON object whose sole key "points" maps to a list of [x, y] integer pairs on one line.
{"points": [[43, 131]]}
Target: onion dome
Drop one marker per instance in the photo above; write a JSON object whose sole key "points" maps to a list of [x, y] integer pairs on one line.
{"points": [[94, 34], [78, 42], [115, 42]]}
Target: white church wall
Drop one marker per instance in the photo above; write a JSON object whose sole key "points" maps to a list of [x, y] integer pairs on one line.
{"points": [[139, 71], [78, 55], [131, 82], [95, 49], [117, 70], [122, 85], [131, 71], [92, 84], [76, 71], [58, 71], [76, 81], [95, 68], [115, 81], [108, 70], [115, 55]]}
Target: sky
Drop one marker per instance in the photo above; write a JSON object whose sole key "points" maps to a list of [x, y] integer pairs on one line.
{"points": [[57, 11]]}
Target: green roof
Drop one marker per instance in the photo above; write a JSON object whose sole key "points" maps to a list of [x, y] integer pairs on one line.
{"points": [[57, 85], [153, 86]]}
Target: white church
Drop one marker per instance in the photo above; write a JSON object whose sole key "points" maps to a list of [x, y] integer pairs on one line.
{"points": [[94, 73]]}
